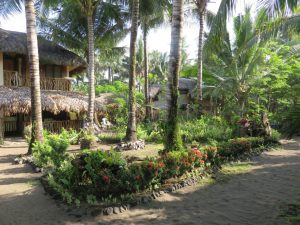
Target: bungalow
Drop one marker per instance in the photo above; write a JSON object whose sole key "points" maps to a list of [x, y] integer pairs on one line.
{"points": [[61, 106], [187, 96]]}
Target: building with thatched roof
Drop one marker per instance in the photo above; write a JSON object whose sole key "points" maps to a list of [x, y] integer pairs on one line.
{"points": [[187, 88], [61, 107], [57, 64]]}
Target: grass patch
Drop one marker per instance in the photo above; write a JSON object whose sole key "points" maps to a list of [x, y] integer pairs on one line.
{"points": [[291, 212], [228, 170], [33, 183], [150, 150]]}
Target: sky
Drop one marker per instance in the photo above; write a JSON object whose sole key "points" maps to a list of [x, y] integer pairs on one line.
{"points": [[159, 39]]}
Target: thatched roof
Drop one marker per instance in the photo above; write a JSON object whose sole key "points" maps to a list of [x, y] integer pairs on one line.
{"points": [[18, 100], [49, 53], [105, 98], [154, 91], [184, 84], [187, 84]]}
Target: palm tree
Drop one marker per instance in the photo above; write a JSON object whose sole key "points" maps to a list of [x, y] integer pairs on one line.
{"points": [[235, 64], [278, 7], [11, 6], [86, 21], [131, 125], [152, 15], [33, 58], [172, 133], [201, 10]]}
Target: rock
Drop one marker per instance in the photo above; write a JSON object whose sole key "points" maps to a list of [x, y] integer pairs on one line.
{"points": [[123, 146], [153, 195], [116, 210], [38, 170], [161, 192], [108, 211], [122, 209]]}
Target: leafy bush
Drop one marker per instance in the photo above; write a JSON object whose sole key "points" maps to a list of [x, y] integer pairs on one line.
{"points": [[150, 132], [52, 152], [237, 147], [205, 129]]}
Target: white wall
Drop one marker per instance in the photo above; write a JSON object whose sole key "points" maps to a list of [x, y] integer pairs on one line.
{"points": [[1, 70]]}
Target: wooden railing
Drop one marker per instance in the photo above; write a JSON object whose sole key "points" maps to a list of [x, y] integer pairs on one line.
{"points": [[56, 126], [10, 126], [13, 79]]}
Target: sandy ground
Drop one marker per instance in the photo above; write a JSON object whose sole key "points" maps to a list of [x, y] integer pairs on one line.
{"points": [[249, 198]]}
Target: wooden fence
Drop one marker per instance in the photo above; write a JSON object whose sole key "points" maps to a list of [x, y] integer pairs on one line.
{"points": [[56, 126]]}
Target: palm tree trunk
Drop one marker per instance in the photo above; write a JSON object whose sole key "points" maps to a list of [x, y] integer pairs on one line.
{"points": [[201, 5], [33, 56], [131, 126], [91, 71], [172, 133], [1, 126], [148, 109]]}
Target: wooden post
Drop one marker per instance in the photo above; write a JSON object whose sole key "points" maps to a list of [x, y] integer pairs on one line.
{"points": [[1, 127], [1, 70]]}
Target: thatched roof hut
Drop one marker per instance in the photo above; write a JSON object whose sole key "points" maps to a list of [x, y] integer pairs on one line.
{"points": [[18, 100], [154, 91], [49, 52], [185, 85]]}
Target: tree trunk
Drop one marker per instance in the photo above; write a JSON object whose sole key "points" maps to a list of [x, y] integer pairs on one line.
{"points": [[1, 127], [172, 133], [33, 57], [109, 76], [147, 102], [91, 71], [131, 126], [201, 5]]}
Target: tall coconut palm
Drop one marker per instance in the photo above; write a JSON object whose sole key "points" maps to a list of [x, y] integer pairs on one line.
{"points": [[33, 57], [131, 125], [172, 133], [201, 10], [12, 6], [151, 15], [84, 19]]}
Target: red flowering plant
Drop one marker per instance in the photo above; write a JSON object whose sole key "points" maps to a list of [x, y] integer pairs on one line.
{"points": [[152, 171], [211, 155], [177, 163]]}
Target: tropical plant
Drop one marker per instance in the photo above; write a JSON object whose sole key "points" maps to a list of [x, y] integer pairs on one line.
{"points": [[237, 63], [12, 6], [172, 132], [97, 17], [131, 126], [151, 16]]}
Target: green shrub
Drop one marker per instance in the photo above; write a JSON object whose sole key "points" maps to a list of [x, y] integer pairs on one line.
{"points": [[205, 130], [237, 147], [52, 152], [42, 153], [275, 137], [151, 132]]}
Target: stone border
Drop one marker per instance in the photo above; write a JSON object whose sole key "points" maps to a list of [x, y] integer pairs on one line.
{"points": [[123, 207]]}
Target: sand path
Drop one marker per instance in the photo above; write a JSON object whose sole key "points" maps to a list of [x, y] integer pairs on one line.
{"points": [[250, 198]]}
